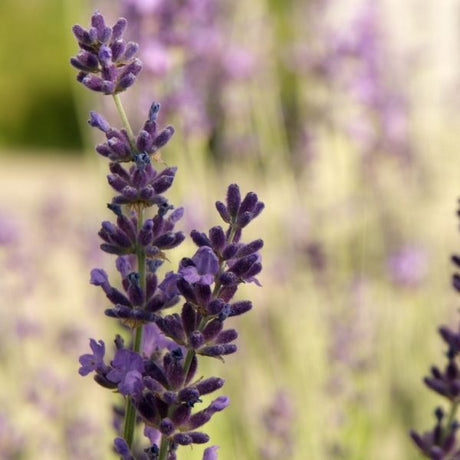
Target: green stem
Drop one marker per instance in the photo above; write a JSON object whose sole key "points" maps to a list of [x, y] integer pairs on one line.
{"points": [[130, 412], [163, 448], [450, 419], [124, 119]]}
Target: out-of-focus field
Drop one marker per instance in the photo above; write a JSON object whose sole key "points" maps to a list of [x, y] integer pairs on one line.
{"points": [[356, 279]]}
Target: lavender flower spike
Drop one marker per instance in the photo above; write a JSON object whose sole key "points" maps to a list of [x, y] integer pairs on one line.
{"points": [[441, 442], [155, 372]]}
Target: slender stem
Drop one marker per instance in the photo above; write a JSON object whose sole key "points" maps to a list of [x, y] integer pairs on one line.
{"points": [[124, 119], [163, 448], [450, 418], [130, 413]]}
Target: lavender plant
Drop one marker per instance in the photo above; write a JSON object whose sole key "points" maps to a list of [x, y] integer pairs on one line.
{"points": [[441, 442], [156, 371]]}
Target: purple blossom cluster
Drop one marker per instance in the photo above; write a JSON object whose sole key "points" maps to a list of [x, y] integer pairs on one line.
{"points": [[442, 442], [156, 370]]}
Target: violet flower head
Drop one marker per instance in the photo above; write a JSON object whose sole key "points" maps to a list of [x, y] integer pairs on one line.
{"points": [[106, 61]]}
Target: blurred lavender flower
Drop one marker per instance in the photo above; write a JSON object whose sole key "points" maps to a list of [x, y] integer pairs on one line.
{"points": [[155, 371], [278, 421], [408, 266]]}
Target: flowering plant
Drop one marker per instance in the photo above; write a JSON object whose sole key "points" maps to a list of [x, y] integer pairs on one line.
{"points": [[441, 442], [156, 371]]}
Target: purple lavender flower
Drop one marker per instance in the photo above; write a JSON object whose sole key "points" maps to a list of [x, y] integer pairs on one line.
{"points": [[202, 268], [155, 370], [106, 62], [90, 363], [441, 442]]}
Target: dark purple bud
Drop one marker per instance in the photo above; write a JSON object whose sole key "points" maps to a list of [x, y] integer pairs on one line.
{"points": [[212, 329], [456, 281], [187, 291], [151, 128], [131, 50], [203, 294], [219, 350], [249, 203], [116, 209], [196, 339], [228, 279], [227, 292], [119, 147], [188, 316], [181, 414], [230, 251], [223, 315], [189, 395], [217, 237], [135, 292], [128, 226], [233, 199], [175, 374], [244, 219], [456, 260], [164, 241], [253, 271], [250, 248], [129, 193], [97, 21], [104, 150], [193, 437], [200, 239], [112, 249], [94, 83], [167, 426], [244, 264], [104, 35], [147, 407], [151, 280], [144, 141], [227, 336], [209, 385], [210, 453], [162, 183], [238, 308], [122, 449], [118, 48], [154, 110], [98, 121], [105, 55], [154, 264], [125, 82], [81, 34], [222, 210], [117, 182], [119, 28], [162, 138], [153, 370], [98, 277], [202, 417], [215, 306], [145, 236], [171, 325]]}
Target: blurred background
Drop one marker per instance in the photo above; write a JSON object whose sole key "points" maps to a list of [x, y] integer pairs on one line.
{"points": [[342, 116]]}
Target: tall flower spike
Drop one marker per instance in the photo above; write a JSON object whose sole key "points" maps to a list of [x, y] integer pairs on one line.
{"points": [[154, 371], [441, 442]]}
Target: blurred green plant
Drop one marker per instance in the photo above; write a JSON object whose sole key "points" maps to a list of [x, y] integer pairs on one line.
{"points": [[34, 85]]}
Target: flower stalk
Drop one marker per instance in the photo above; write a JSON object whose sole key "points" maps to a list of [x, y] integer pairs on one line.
{"points": [[156, 371]]}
